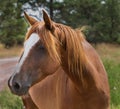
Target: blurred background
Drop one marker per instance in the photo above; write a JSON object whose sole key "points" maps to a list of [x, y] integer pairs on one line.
{"points": [[98, 19]]}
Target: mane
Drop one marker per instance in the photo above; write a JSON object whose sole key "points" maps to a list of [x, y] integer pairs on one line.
{"points": [[74, 50], [67, 38]]}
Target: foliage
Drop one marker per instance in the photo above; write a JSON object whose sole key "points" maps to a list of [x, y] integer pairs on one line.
{"points": [[102, 16], [12, 26], [9, 101]]}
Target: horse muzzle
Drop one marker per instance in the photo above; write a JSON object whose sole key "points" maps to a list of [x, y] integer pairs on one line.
{"points": [[17, 87]]}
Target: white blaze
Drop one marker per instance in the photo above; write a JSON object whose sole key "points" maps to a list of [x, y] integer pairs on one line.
{"points": [[29, 43]]}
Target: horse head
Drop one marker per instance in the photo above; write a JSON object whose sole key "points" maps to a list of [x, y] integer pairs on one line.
{"points": [[39, 58]]}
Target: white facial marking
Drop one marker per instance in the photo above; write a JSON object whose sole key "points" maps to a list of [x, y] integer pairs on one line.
{"points": [[29, 43]]}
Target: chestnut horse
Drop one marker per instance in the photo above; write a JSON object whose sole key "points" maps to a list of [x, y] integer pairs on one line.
{"points": [[59, 69]]}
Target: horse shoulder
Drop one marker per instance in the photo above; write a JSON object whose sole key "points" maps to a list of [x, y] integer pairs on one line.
{"points": [[96, 69], [94, 60]]}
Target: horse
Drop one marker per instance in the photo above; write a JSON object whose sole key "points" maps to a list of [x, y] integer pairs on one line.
{"points": [[59, 69]]}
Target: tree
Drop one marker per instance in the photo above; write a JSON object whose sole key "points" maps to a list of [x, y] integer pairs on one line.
{"points": [[113, 16], [12, 26], [102, 17], [107, 27]]}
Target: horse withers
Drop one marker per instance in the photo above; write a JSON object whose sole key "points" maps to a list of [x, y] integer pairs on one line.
{"points": [[59, 69]]}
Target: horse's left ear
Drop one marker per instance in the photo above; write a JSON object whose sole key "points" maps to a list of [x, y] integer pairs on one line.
{"points": [[30, 19], [47, 20]]}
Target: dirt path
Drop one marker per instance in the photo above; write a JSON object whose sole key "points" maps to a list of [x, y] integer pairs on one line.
{"points": [[7, 67]]}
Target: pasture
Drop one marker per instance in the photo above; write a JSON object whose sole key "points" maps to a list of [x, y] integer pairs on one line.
{"points": [[110, 55], [11, 52]]}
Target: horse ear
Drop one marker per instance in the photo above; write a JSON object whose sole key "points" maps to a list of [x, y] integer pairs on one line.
{"points": [[47, 20], [30, 19]]}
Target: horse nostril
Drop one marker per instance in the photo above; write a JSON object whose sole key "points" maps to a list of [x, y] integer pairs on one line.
{"points": [[17, 86]]}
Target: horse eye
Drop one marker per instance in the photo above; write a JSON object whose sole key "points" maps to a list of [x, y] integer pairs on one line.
{"points": [[41, 47]]}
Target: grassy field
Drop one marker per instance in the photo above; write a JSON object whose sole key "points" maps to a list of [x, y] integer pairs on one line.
{"points": [[11, 52], [110, 54], [10, 101]]}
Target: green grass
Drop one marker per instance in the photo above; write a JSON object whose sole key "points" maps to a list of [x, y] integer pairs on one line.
{"points": [[9, 101], [110, 55], [113, 71]]}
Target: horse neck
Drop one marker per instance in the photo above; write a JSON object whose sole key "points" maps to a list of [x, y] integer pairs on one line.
{"points": [[88, 78]]}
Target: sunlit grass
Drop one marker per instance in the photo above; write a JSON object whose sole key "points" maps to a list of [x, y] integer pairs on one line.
{"points": [[9, 101], [113, 71], [11, 52], [115, 107], [110, 54]]}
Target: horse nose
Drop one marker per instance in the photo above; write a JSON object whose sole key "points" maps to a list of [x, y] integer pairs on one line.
{"points": [[15, 86]]}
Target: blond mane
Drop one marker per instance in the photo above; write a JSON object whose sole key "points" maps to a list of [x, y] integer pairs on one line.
{"points": [[75, 53]]}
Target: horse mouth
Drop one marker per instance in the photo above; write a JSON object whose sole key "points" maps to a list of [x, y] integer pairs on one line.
{"points": [[20, 92]]}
